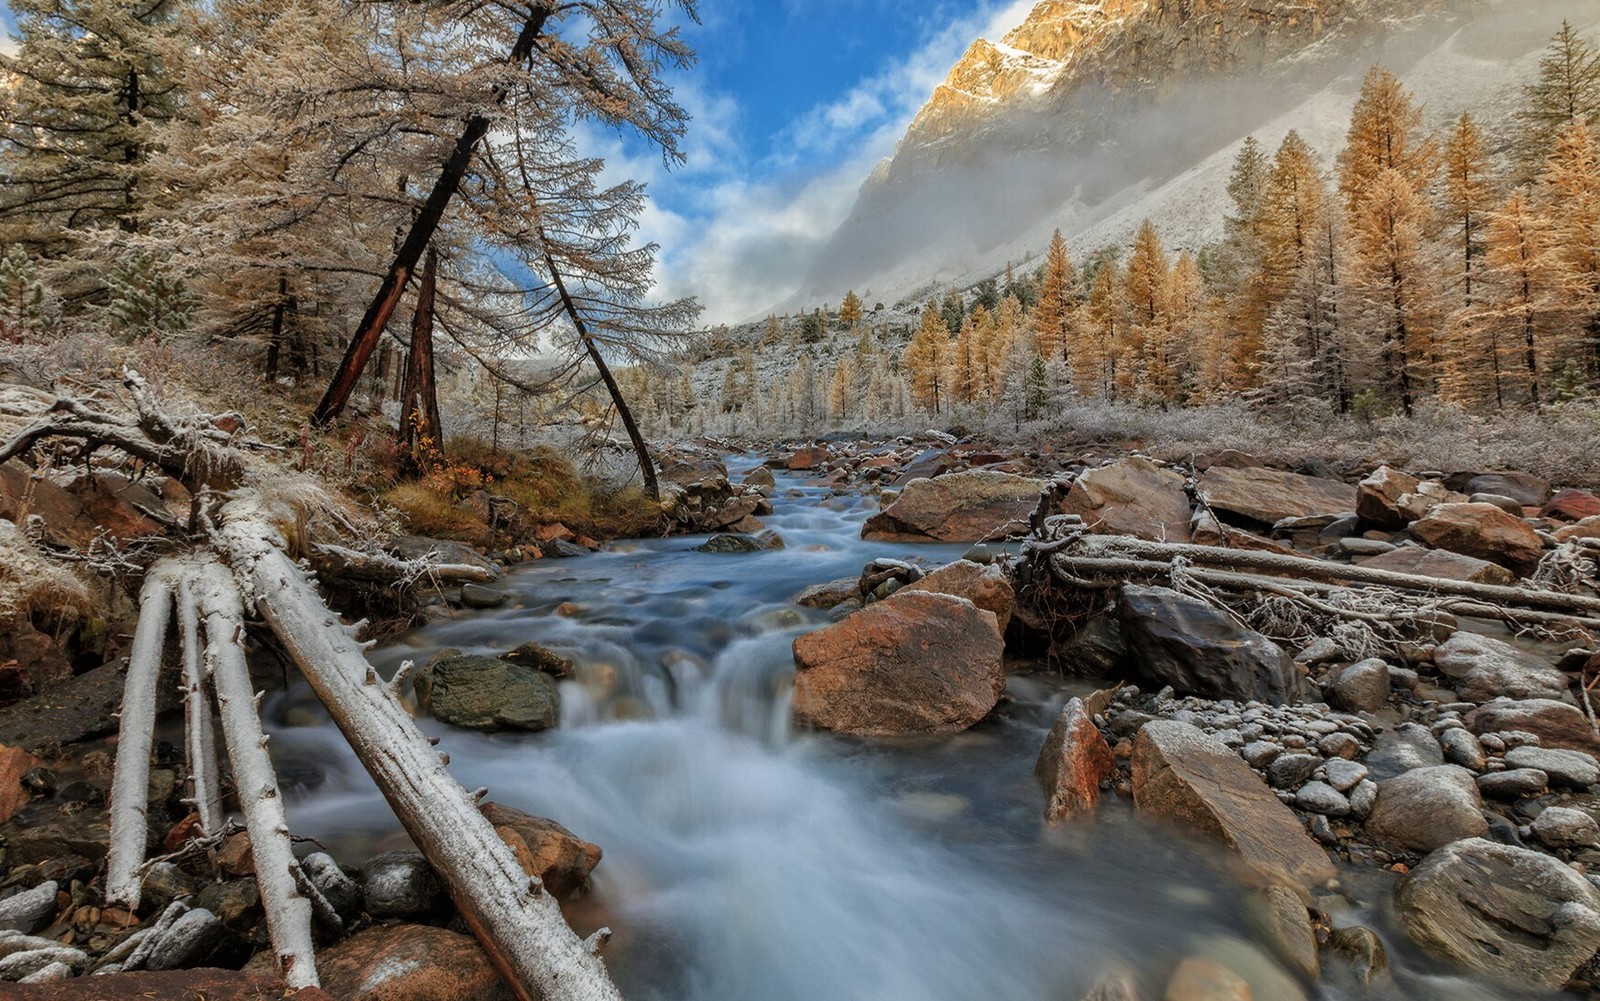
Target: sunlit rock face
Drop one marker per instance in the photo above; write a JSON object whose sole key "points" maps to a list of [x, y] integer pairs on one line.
{"points": [[1085, 96]]}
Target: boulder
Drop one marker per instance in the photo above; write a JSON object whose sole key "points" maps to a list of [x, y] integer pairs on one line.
{"points": [[1561, 827], [1381, 499], [972, 506], [1569, 769], [1441, 563], [1571, 505], [761, 478], [1427, 808], [919, 663], [400, 884], [82, 707], [29, 910], [544, 848], [1270, 495], [1361, 687], [124, 509], [1556, 724], [1484, 531], [1200, 650], [1074, 761], [1588, 528], [1524, 488], [487, 693], [540, 658], [730, 544], [60, 513], [14, 764], [984, 586], [828, 594], [1132, 497], [1515, 914], [1185, 776], [813, 457], [1481, 668], [930, 463], [409, 963]]}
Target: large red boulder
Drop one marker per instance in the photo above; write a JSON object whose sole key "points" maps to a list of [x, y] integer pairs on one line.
{"points": [[917, 663], [1073, 762], [1132, 497], [544, 848], [1484, 531], [973, 506], [984, 586]]}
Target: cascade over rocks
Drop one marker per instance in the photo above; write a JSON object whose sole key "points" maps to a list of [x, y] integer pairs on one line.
{"points": [[1199, 649], [916, 663], [971, 506], [1517, 914]]}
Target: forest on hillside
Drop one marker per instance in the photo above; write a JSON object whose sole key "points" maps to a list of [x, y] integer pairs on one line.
{"points": [[1457, 269]]}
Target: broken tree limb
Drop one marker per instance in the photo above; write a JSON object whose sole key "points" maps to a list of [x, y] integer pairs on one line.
{"points": [[199, 733], [519, 925], [130, 779], [1306, 568], [334, 562], [288, 910]]}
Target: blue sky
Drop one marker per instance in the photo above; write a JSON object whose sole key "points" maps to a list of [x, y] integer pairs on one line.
{"points": [[794, 101]]}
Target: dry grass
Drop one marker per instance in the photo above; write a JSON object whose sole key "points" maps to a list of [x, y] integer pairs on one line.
{"points": [[34, 587]]}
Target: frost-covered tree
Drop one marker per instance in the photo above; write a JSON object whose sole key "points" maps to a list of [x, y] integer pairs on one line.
{"points": [[928, 361], [1056, 306], [87, 92], [21, 296], [1567, 90]]}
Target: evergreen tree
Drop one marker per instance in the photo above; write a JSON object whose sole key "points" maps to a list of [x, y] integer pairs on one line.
{"points": [[21, 296], [987, 294], [146, 300], [1567, 90], [953, 309], [90, 86]]}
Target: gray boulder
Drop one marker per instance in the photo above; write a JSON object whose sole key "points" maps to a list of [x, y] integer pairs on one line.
{"points": [[1427, 808], [400, 884], [1199, 650], [1482, 668], [487, 693], [1573, 769], [1515, 914]]}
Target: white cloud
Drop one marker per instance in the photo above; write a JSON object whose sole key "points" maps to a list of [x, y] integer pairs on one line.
{"points": [[749, 243]]}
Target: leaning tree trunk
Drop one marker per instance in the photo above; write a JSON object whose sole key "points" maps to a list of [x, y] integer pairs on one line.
{"points": [[420, 428], [640, 449], [383, 304]]}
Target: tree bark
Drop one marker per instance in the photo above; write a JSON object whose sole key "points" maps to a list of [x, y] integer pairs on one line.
{"points": [[383, 304], [130, 778], [200, 735], [420, 428]]}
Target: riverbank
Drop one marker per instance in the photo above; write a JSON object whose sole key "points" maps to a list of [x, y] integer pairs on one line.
{"points": [[623, 673]]}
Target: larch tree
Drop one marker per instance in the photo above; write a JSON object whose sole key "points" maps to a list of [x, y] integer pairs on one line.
{"points": [[850, 311], [1291, 216], [1567, 90], [1147, 344], [1499, 342], [1095, 368], [1467, 196], [1569, 194], [967, 375], [1056, 302], [529, 68], [1385, 172], [928, 361]]}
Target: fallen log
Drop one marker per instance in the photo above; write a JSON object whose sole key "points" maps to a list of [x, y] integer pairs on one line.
{"points": [[199, 733], [518, 923], [130, 781], [343, 563], [288, 910], [1275, 565]]}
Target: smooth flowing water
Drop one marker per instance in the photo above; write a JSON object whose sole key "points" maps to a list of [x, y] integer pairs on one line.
{"points": [[744, 862]]}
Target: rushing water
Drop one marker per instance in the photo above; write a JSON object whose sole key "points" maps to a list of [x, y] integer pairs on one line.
{"points": [[747, 863]]}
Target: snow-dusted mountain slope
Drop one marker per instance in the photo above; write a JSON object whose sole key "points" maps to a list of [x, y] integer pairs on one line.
{"points": [[1092, 116]]}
